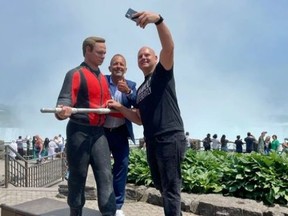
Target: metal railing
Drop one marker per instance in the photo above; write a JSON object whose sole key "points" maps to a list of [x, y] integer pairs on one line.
{"points": [[27, 173]]}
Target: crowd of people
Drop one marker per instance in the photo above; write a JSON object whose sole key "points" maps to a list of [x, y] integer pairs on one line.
{"points": [[263, 144], [36, 147]]}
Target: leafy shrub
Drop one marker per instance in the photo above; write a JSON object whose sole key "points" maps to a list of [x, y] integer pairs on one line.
{"points": [[254, 176], [138, 170], [258, 177], [201, 172]]}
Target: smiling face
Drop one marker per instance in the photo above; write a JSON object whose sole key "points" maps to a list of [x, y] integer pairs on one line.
{"points": [[118, 66], [147, 60]]}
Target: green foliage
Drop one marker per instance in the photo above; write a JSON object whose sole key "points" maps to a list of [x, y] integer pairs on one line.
{"points": [[258, 177], [138, 169], [254, 176], [201, 172]]}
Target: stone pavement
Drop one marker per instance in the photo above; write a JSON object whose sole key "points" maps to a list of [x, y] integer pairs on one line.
{"points": [[203, 204], [13, 196]]}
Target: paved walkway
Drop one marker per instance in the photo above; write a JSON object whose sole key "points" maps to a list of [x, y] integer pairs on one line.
{"points": [[13, 196]]}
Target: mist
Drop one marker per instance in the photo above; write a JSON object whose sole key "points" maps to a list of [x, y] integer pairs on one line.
{"points": [[230, 60]]}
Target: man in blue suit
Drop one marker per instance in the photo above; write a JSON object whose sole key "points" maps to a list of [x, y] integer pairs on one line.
{"points": [[118, 129]]}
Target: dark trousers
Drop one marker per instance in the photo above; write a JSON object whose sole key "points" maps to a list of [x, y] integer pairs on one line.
{"points": [[88, 145], [249, 147], [119, 146], [165, 154], [20, 151]]}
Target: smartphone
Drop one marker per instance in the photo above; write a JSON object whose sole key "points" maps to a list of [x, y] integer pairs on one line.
{"points": [[129, 14]]}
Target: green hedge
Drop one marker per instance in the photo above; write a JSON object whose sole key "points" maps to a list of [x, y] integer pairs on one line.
{"points": [[254, 176]]}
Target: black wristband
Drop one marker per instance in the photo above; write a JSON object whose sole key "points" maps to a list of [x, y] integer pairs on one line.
{"points": [[160, 20], [129, 92]]}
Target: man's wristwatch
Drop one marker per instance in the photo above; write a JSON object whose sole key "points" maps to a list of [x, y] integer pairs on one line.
{"points": [[129, 92], [160, 20]]}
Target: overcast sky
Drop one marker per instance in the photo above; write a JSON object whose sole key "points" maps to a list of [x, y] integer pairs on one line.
{"points": [[230, 58]]}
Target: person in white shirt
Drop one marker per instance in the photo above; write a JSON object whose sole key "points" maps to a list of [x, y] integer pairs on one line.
{"points": [[13, 145], [60, 142], [215, 142], [20, 148], [188, 139], [52, 146], [118, 129]]}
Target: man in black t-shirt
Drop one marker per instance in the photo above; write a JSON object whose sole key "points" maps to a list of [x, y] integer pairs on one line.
{"points": [[250, 141], [160, 115], [207, 142], [239, 144]]}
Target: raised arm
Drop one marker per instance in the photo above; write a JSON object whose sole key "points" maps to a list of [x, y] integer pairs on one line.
{"points": [[165, 36]]}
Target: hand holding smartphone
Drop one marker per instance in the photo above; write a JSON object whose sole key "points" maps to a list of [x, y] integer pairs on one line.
{"points": [[129, 14]]}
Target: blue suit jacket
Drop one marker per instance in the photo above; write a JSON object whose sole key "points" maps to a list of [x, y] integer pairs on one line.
{"points": [[128, 101]]}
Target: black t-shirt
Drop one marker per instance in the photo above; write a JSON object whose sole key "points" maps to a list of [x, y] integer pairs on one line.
{"points": [[249, 140], [239, 144], [157, 102], [206, 142]]}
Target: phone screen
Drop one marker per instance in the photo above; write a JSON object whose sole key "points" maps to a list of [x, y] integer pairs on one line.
{"points": [[129, 14]]}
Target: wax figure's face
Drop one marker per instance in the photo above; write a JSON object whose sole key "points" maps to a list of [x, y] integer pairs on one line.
{"points": [[97, 55]]}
